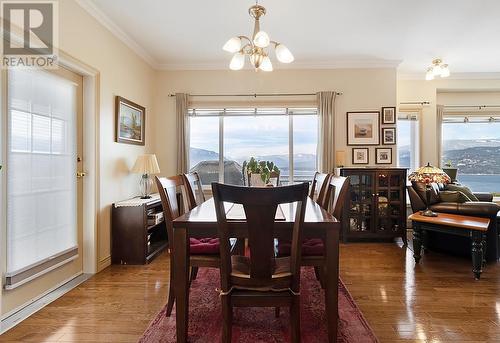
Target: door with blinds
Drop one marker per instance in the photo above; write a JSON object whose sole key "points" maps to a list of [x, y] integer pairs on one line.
{"points": [[44, 186]]}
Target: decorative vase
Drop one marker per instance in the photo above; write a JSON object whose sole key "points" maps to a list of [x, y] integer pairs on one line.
{"points": [[452, 173], [255, 180]]}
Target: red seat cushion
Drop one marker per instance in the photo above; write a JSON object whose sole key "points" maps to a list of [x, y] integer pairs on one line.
{"points": [[310, 247], [203, 246]]}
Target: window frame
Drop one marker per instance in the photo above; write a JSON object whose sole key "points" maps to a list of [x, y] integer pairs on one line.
{"points": [[416, 135], [470, 118], [222, 113]]}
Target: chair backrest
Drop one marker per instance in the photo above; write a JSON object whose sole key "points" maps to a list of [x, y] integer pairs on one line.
{"points": [[168, 189], [260, 205], [319, 188], [194, 190], [338, 188]]}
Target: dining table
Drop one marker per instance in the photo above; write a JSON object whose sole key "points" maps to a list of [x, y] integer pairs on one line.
{"points": [[201, 222]]}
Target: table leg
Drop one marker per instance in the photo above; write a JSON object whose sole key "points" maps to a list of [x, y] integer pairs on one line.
{"points": [[417, 242], [477, 253], [485, 245], [181, 270], [332, 283]]}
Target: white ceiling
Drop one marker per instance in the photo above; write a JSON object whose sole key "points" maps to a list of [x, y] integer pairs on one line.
{"points": [[189, 34]]}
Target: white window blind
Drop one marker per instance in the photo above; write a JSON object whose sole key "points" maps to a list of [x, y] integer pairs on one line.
{"points": [[41, 170]]}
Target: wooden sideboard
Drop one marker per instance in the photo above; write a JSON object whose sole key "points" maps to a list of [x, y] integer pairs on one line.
{"points": [[134, 240], [376, 204]]}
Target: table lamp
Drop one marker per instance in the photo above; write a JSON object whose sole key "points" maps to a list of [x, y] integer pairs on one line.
{"points": [[146, 165], [427, 175], [340, 158]]}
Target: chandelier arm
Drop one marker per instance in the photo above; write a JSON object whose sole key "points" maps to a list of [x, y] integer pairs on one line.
{"points": [[248, 39]]}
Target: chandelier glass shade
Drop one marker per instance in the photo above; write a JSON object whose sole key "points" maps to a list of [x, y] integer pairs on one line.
{"points": [[256, 46], [438, 68]]}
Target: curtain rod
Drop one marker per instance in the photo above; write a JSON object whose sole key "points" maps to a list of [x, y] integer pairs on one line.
{"points": [[471, 106], [255, 94], [415, 103]]}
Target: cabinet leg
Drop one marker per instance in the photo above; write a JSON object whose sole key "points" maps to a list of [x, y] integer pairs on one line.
{"points": [[477, 253], [417, 242]]}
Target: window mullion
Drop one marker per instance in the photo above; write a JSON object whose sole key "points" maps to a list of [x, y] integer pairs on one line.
{"points": [[290, 148], [221, 147]]}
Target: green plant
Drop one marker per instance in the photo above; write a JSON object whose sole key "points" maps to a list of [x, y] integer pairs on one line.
{"points": [[264, 168], [448, 164]]}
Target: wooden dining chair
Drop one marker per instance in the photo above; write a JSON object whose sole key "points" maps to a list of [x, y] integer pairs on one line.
{"points": [[194, 190], [319, 187], [260, 279], [313, 251], [203, 252]]}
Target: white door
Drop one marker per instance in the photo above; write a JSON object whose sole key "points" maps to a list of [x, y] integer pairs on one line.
{"points": [[44, 194]]}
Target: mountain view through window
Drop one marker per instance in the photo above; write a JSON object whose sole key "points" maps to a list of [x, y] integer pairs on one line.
{"points": [[290, 141], [474, 148]]}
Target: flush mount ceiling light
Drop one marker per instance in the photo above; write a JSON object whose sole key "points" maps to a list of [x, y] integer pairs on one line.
{"points": [[438, 69], [255, 48]]}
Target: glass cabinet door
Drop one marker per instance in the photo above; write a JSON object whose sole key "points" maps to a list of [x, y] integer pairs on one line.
{"points": [[388, 201], [361, 202]]}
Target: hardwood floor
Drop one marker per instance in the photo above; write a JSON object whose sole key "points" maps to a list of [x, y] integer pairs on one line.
{"points": [[436, 301]]}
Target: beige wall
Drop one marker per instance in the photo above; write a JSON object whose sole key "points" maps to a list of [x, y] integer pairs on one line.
{"points": [[473, 91], [364, 89], [122, 73]]}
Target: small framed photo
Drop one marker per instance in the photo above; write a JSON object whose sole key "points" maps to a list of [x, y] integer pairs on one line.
{"points": [[363, 128], [383, 155], [388, 115], [360, 156], [389, 135], [130, 122]]}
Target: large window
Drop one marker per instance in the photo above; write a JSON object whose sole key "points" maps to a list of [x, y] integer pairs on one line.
{"points": [[222, 139], [408, 140], [472, 144]]}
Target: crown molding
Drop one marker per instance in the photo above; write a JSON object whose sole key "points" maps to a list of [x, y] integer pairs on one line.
{"points": [[331, 64], [453, 76], [104, 20]]}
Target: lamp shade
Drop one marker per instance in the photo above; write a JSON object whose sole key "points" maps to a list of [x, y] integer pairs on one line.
{"points": [[283, 54], [237, 62], [232, 45], [340, 157], [146, 164], [429, 174]]}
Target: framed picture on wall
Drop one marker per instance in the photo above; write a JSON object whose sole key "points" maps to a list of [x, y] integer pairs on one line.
{"points": [[389, 135], [363, 128], [383, 155], [130, 122], [388, 115], [360, 156]]}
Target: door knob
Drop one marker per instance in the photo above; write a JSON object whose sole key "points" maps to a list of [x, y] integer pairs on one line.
{"points": [[79, 175]]}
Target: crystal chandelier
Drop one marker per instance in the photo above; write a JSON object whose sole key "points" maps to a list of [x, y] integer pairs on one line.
{"points": [[438, 69], [255, 48]]}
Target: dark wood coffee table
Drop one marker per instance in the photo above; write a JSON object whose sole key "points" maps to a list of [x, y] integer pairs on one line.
{"points": [[454, 224]]}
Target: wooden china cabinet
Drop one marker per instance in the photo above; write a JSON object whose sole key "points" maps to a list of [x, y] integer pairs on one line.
{"points": [[376, 204]]}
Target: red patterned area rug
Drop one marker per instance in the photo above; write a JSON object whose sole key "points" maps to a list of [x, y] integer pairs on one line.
{"points": [[259, 324]]}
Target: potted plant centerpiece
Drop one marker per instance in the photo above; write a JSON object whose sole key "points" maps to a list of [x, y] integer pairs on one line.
{"points": [[258, 173], [452, 172]]}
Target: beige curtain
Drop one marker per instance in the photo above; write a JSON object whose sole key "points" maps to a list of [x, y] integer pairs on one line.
{"points": [[181, 111], [439, 132], [326, 127]]}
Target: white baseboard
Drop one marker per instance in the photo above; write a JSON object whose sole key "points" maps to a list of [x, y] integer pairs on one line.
{"points": [[14, 317]]}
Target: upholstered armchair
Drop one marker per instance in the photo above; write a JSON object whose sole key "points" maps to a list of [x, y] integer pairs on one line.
{"points": [[459, 245]]}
